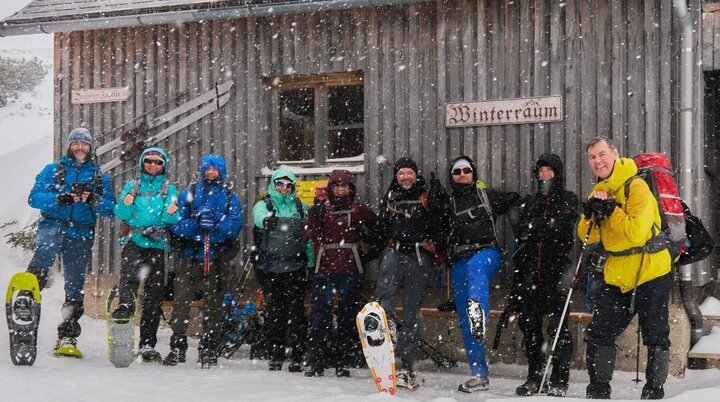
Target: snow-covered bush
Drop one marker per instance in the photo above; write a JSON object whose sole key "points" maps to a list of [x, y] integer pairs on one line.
{"points": [[23, 238], [19, 75]]}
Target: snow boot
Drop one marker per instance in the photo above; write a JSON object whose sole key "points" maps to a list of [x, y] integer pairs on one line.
{"points": [[41, 275], [315, 372], [207, 357], [178, 350], [122, 313], [149, 355], [530, 387], [600, 362], [295, 367], [475, 384], [67, 346], [476, 316], [656, 373], [557, 390], [407, 379], [275, 365]]}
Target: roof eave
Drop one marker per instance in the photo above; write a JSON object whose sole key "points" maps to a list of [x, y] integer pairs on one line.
{"points": [[29, 27]]}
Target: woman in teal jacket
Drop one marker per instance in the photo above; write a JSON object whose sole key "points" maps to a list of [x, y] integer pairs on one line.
{"points": [[148, 207], [282, 257]]}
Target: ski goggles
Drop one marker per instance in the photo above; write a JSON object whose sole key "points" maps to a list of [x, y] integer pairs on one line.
{"points": [[459, 171], [152, 161], [284, 184]]}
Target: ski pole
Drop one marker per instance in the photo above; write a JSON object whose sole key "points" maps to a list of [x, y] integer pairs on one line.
{"points": [[591, 224], [637, 357], [206, 304]]}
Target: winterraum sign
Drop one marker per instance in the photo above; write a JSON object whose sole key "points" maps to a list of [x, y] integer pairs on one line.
{"points": [[99, 95], [504, 111]]}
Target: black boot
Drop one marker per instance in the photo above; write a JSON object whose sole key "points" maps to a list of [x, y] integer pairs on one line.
{"points": [[600, 363], [178, 350], [71, 313], [656, 373], [40, 274]]}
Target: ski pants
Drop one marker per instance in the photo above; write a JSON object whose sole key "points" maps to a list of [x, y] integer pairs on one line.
{"points": [[549, 299], [324, 288], [146, 264], [188, 274], [399, 268], [471, 280], [285, 308], [50, 241], [612, 315]]}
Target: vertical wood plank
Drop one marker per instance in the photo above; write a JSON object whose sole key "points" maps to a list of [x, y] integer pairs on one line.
{"points": [[652, 75]]}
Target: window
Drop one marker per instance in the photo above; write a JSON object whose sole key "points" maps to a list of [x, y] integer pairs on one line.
{"points": [[320, 118]]}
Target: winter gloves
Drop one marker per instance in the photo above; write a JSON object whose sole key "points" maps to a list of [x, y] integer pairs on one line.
{"points": [[65, 199], [599, 209], [206, 218]]}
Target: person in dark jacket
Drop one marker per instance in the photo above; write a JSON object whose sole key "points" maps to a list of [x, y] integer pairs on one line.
{"points": [[208, 209], [148, 206], [411, 219], [283, 258], [475, 255], [546, 234], [70, 194], [335, 228]]}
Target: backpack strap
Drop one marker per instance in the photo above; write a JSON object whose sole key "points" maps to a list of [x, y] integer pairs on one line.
{"points": [[60, 173], [299, 206]]}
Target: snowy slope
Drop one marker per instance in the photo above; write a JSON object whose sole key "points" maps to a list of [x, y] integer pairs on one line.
{"points": [[26, 146]]}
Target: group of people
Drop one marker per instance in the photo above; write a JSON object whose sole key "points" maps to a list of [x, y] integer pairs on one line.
{"points": [[324, 250]]}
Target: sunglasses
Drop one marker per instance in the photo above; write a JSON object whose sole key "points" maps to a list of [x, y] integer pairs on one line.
{"points": [[459, 171], [284, 184], [153, 162]]}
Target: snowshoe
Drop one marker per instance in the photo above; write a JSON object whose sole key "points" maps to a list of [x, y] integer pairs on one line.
{"points": [[22, 309], [408, 379], [174, 357], [294, 367], [122, 313], [530, 387], [377, 344], [275, 365], [121, 331], [315, 372], [475, 384], [207, 358], [557, 390], [67, 346], [476, 316]]}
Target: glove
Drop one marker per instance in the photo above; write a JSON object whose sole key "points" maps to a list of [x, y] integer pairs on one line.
{"points": [[65, 199], [601, 209], [206, 218], [93, 199], [436, 193], [270, 223]]}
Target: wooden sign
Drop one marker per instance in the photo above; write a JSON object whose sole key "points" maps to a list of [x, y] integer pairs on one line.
{"points": [[306, 189], [100, 95], [504, 111]]}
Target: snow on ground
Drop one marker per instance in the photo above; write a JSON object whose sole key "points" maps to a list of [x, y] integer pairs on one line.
{"points": [[26, 146]]}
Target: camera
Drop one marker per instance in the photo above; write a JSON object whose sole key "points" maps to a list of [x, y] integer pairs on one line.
{"points": [[79, 188]]}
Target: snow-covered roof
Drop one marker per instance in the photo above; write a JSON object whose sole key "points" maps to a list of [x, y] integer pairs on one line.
{"points": [[45, 16]]}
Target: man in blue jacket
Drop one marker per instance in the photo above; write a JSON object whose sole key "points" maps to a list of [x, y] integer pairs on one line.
{"points": [[207, 208], [69, 194]]}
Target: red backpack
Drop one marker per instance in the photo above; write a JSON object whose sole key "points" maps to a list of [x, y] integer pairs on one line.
{"points": [[655, 169]]}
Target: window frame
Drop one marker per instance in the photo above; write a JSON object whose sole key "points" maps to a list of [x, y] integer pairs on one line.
{"points": [[320, 84]]}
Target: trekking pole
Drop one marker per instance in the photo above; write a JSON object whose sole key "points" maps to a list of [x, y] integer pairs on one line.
{"points": [[206, 279], [567, 302], [637, 379]]}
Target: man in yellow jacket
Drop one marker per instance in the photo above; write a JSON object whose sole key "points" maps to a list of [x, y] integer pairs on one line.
{"points": [[626, 219]]}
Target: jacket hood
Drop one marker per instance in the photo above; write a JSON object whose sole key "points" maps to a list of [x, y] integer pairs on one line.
{"points": [[216, 161], [278, 174], [341, 176], [555, 163]]}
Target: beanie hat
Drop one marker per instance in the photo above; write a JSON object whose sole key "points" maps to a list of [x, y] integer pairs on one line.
{"points": [[80, 134], [405, 162], [461, 162]]}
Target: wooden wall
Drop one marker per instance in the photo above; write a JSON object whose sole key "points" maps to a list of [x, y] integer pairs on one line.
{"points": [[613, 61]]}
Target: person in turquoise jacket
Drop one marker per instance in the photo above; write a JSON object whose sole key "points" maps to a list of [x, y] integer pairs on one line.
{"points": [[281, 259], [148, 206]]}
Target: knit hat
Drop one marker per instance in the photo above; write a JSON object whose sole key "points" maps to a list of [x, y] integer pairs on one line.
{"points": [[80, 134], [405, 162], [461, 162]]}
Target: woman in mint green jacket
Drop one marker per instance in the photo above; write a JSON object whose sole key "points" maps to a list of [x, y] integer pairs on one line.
{"points": [[148, 206]]}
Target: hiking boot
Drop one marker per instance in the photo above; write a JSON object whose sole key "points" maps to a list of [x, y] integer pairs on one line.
{"points": [[122, 313], [175, 356], [150, 355], [529, 387], [342, 372], [407, 379], [315, 372], [476, 316], [598, 390], [294, 367], [475, 384], [207, 357], [557, 390], [650, 392], [275, 365], [67, 346]]}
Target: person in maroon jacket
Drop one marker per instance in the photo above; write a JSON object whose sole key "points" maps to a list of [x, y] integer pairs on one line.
{"points": [[335, 226]]}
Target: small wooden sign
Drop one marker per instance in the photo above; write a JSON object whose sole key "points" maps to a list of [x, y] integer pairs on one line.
{"points": [[504, 111], [100, 95]]}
